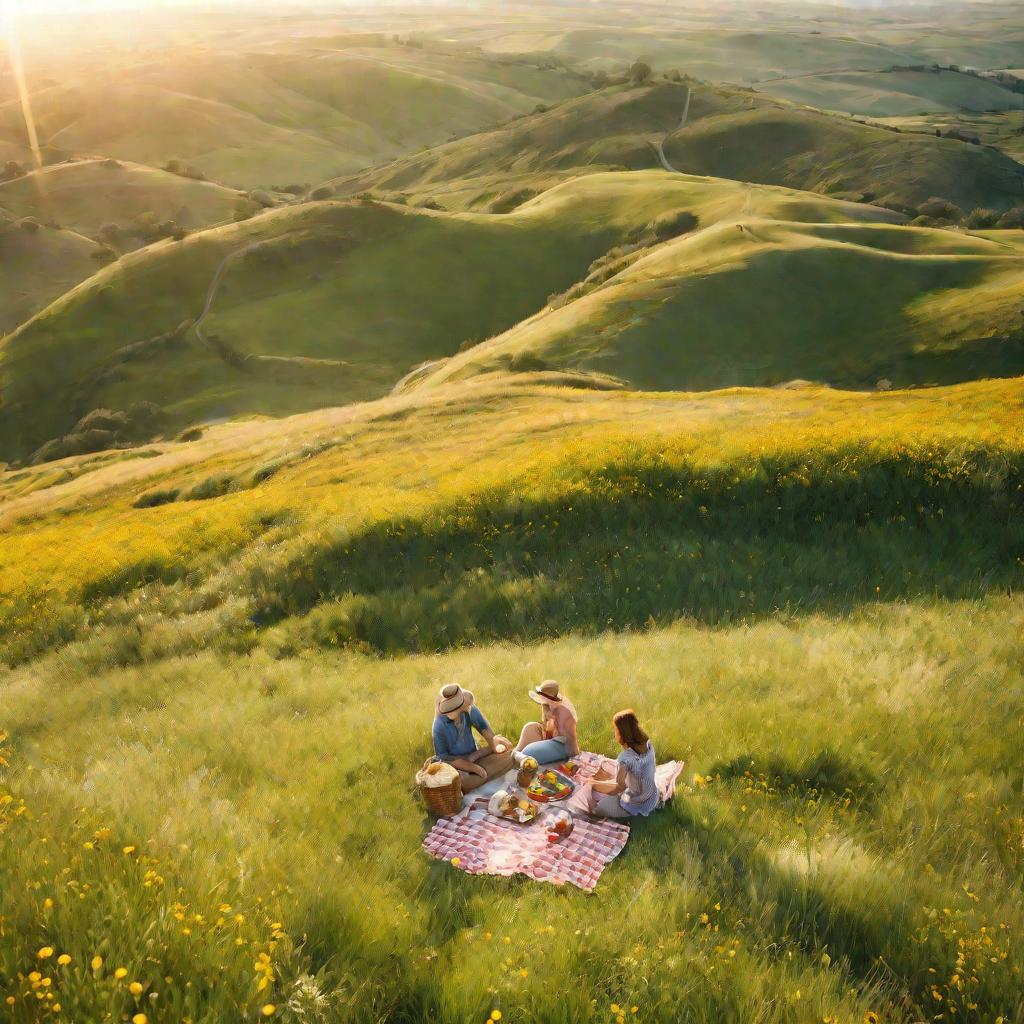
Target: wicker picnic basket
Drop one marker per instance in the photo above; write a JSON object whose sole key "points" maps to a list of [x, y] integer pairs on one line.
{"points": [[441, 787]]}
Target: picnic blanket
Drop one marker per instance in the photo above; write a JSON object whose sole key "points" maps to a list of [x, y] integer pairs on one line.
{"points": [[481, 844]]}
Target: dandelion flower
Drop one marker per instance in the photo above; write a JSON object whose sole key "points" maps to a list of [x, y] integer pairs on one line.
{"points": [[128, 849], [634, 1009], [63, 959], [47, 903], [55, 1007], [10, 1000], [135, 988], [45, 953], [268, 1010], [456, 861], [140, 1018], [97, 962], [121, 972], [495, 1014], [616, 1008]]}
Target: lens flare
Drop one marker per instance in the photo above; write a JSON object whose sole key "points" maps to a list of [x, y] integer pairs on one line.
{"points": [[10, 10]]}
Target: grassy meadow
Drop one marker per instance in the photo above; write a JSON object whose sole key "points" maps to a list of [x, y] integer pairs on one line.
{"points": [[344, 355], [812, 600]]}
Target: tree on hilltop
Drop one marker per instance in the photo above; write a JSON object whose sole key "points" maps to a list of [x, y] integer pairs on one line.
{"points": [[640, 72]]}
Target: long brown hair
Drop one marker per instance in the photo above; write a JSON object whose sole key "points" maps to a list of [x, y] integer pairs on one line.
{"points": [[627, 728]]}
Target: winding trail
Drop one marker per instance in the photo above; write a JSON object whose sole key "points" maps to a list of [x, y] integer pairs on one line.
{"points": [[211, 291], [659, 145]]}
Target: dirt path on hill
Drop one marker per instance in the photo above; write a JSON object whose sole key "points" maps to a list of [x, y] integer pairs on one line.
{"points": [[659, 145], [211, 291]]}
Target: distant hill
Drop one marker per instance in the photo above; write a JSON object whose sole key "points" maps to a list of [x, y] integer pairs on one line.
{"points": [[321, 304], [767, 293], [296, 115], [895, 93], [38, 264], [86, 195], [729, 133]]}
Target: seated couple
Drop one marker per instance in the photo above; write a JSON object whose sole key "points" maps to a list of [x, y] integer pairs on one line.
{"points": [[632, 790]]}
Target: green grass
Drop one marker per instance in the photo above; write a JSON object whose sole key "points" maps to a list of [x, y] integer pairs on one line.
{"points": [[38, 267], [300, 114], [86, 195], [730, 133], [1004, 130], [895, 93], [847, 840], [753, 301]]}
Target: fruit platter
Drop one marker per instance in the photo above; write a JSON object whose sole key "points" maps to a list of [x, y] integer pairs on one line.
{"points": [[513, 807], [549, 785]]}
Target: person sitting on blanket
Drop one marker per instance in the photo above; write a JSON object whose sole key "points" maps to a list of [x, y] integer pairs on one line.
{"points": [[633, 790], [455, 718], [553, 738]]}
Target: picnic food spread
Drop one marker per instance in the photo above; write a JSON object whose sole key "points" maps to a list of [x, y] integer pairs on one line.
{"points": [[512, 807], [550, 785]]}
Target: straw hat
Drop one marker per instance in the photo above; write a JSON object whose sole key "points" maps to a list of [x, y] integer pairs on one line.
{"points": [[453, 698], [546, 693]]}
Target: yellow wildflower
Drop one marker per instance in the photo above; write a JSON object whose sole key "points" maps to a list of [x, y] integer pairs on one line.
{"points": [[45, 953], [121, 972], [140, 1018], [135, 988], [97, 962], [63, 959], [268, 1010]]}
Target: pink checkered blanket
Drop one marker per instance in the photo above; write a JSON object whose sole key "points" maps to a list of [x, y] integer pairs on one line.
{"points": [[481, 844]]}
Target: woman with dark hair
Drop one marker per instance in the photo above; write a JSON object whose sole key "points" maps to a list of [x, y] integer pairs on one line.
{"points": [[634, 789]]}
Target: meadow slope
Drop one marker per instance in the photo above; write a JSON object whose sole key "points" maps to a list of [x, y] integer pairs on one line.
{"points": [[811, 597]]}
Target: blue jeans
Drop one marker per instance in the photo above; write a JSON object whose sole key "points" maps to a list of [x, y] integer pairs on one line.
{"points": [[546, 751]]}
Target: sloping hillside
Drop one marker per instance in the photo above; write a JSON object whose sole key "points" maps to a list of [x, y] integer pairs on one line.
{"points": [[317, 304], [37, 265], [86, 195], [259, 119], [729, 133], [897, 93], [753, 301]]}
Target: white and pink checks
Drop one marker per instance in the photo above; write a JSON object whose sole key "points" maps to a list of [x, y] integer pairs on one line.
{"points": [[486, 845]]}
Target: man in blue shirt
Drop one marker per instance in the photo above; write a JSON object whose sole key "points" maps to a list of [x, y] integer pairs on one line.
{"points": [[455, 719]]}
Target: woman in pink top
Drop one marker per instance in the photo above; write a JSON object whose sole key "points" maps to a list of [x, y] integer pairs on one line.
{"points": [[553, 738]]}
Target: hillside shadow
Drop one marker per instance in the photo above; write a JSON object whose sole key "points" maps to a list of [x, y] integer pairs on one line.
{"points": [[635, 546]]}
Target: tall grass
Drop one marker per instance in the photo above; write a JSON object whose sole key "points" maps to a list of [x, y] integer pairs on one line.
{"points": [[847, 843]]}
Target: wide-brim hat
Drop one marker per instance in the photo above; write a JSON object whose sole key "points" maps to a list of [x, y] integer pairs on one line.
{"points": [[546, 693], [453, 698]]}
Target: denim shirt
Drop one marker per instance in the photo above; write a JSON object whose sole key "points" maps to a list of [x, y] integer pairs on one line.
{"points": [[453, 740]]}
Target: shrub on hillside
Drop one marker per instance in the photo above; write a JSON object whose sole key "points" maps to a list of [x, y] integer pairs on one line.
{"points": [[639, 72], [262, 197], [941, 210], [211, 487], [982, 218], [12, 169], [321, 193], [429, 204], [29, 224], [184, 170], [244, 209], [672, 224], [1012, 218], [508, 201], [111, 164], [190, 434], [110, 233], [158, 497]]}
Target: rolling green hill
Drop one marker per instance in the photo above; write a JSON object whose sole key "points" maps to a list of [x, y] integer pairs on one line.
{"points": [[321, 304], [750, 300], [86, 195], [897, 93], [327, 303], [1004, 130], [305, 113], [37, 265], [729, 133]]}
